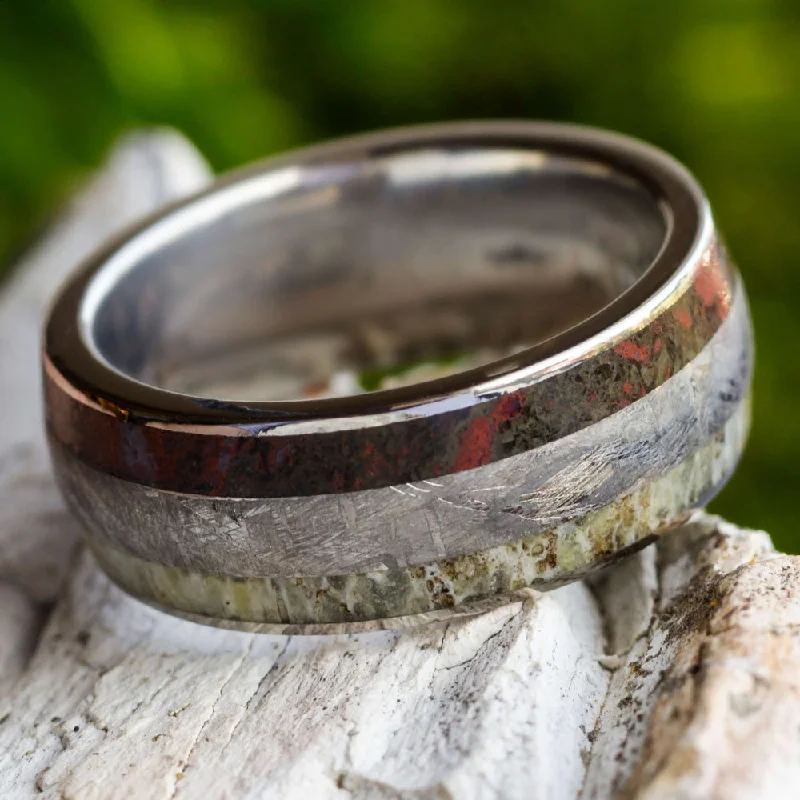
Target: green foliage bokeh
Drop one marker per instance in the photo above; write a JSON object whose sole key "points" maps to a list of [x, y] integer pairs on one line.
{"points": [[715, 82]]}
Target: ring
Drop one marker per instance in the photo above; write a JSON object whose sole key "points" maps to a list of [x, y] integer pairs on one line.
{"points": [[399, 377]]}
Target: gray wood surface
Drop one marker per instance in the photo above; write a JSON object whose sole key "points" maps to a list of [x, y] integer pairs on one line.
{"points": [[672, 675]]}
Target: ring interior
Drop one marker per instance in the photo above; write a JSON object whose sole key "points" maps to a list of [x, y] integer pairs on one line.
{"points": [[334, 279]]}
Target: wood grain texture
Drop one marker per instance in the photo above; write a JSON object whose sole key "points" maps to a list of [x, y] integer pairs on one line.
{"points": [[671, 675], [36, 538]]}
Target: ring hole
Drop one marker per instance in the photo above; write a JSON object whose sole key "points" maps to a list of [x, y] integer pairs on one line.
{"points": [[342, 278]]}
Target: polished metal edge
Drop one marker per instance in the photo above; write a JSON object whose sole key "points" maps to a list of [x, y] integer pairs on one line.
{"points": [[690, 234]]}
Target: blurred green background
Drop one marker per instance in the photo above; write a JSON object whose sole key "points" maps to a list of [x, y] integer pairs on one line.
{"points": [[716, 82]]}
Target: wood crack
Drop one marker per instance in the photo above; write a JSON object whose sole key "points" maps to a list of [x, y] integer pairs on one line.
{"points": [[185, 762]]}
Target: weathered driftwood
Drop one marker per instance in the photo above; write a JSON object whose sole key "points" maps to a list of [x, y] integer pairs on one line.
{"points": [[672, 675]]}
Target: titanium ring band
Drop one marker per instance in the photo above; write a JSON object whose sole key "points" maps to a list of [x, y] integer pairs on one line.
{"points": [[580, 357]]}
